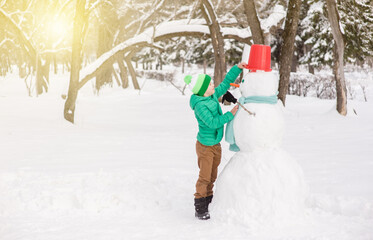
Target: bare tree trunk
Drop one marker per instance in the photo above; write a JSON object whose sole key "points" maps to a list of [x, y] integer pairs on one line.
{"points": [[116, 76], [29, 48], [42, 76], [204, 65], [39, 76], [47, 68], [217, 41], [132, 72], [363, 88], [287, 48], [338, 57], [294, 63], [55, 65], [311, 69], [79, 21], [123, 72], [306, 49], [253, 21], [104, 44], [182, 65]]}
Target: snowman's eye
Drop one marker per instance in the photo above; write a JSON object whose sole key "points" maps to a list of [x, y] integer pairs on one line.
{"points": [[243, 80]]}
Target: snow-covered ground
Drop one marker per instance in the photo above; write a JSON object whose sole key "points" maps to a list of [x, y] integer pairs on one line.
{"points": [[127, 168]]}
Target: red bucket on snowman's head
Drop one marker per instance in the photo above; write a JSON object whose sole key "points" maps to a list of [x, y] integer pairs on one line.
{"points": [[260, 58]]}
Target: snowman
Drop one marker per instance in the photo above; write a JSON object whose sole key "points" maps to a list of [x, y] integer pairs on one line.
{"points": [[261, 184]]}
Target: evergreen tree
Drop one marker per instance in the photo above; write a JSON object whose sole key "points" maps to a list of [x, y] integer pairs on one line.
{"points": [[233, 50], [357, 22], [316, 34]]}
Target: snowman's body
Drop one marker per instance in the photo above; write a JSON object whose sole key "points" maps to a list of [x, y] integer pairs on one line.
{"points": [[265, 129], [261, 183]]}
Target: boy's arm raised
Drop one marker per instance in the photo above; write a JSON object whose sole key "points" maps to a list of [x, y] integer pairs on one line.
{"points": [[229, 78]]}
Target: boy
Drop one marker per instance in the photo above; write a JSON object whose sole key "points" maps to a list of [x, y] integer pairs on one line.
{"points": [[211, 122]]}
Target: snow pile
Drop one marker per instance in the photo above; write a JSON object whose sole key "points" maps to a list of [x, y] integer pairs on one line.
{"points": [[95, 193]]}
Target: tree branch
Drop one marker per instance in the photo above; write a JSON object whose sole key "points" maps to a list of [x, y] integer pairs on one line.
{"points": [[194, 9], [144, 40], [143, 21], [5, 41], [27, 45], [2, 3]]}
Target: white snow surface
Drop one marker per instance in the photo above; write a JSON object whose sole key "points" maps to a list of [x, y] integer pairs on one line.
{"points": [[127, 168]]}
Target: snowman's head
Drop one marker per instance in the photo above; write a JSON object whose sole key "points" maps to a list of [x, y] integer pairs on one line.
{"points": [[259, 84]]}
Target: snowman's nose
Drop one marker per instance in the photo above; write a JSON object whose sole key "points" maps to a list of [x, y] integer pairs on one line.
{"points": [[235, 85]]}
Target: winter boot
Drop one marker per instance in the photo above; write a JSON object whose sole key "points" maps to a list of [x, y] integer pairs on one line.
{"points": [[209, 199], [201, 206]]}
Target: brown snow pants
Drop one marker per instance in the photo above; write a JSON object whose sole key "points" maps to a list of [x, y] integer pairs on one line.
{"points": [[209, 158]]}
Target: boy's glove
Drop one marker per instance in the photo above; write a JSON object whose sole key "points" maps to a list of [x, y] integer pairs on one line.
{"points": [[228, 97]]}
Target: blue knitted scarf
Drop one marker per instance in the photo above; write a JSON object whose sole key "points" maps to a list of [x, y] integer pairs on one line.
{"points": [[229, 133]]}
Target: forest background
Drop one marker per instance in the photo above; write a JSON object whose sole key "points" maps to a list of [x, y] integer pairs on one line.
{"points": [[113, 42]]}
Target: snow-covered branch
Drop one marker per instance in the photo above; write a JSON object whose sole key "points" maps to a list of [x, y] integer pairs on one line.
{"points": [[161, 32], [63, 7], [198, 27], [143, 20], [68, 49], [96, 4], [194, 9], [278, 15], [2, 3], [20, 34], [27, 10], [5, 41]]}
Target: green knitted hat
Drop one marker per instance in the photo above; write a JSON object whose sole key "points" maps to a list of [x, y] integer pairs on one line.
{"points": [[198, 84]]}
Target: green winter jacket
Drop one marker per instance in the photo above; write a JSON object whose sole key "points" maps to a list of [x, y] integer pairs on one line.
{"points": [[208, 112]]}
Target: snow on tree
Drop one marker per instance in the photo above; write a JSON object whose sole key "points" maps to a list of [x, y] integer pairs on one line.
{"points": [[357, 24], [316, 35], [356, 18], [151, 35], [40, 30]]}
